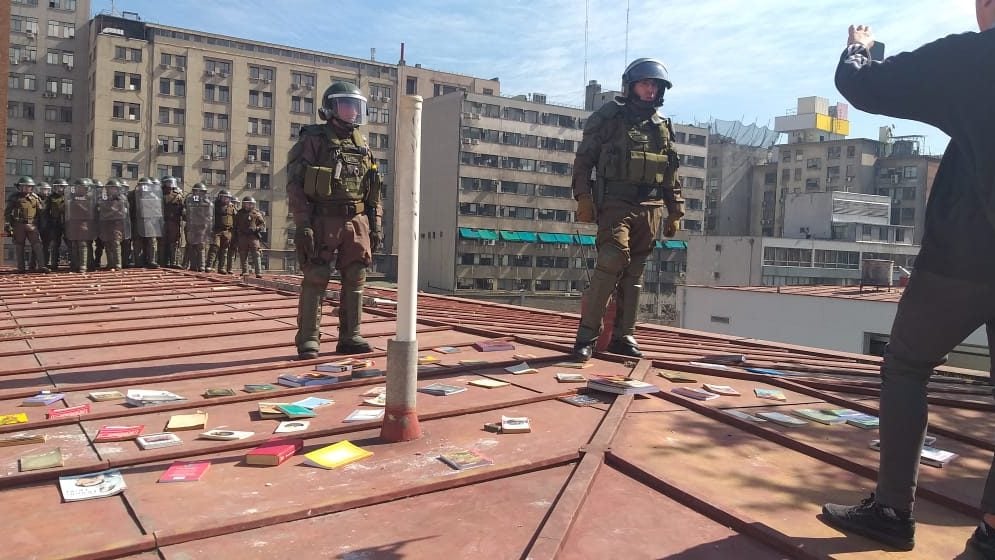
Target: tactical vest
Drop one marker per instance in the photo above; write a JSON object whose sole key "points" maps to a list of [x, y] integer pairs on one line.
{"points": [[56, 210], [246, 220], [25, 208], [340, 172], [224, 217], [638, 161], [173, 208]]}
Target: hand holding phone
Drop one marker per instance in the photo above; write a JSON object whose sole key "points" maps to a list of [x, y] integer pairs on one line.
{"points": [[877, 51]]}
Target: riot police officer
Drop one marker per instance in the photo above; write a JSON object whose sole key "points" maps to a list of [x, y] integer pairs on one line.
{"points": [[198, 213], [55, 222], [81, 224], [222, 249], [334, 192], [44, 192], [249, 227], [172, 216], [22, 217], [147, 222], [114, 220], [631, 148]]}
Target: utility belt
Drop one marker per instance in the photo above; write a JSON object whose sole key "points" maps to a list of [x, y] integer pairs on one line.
{"points": [[634, 193], [342, 209]]}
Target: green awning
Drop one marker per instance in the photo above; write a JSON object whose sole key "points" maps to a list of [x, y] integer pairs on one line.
{"points": [[675, 245], [487, 234], [468, 233], [547, 237], [509, 236], [527, 236], [564, 238], [585, 239]]}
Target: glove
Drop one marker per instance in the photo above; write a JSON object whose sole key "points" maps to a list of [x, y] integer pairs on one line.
{"points": [[670, 226], [585, 209], [8, 230], [304, 243], [376, 240]]}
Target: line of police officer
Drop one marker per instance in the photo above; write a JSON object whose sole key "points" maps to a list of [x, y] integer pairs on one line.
{"points": [[140, 227]]}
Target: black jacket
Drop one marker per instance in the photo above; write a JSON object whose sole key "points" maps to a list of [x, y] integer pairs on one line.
{"points": [[949, 84]]}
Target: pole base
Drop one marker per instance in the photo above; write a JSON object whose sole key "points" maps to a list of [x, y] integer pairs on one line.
{"points": [[401, 417]]}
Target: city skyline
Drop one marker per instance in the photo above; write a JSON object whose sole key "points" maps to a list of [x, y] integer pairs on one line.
{"points": [[759, 75]]}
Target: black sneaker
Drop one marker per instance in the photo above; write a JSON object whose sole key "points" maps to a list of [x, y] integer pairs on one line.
{"points": [[983, 541], [870, 519]]}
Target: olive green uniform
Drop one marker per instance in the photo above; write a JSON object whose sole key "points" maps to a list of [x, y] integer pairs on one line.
{"points": [[23, 215], [249, 225], [55, 223], [635, 162], [222, 251], [333, 190]]}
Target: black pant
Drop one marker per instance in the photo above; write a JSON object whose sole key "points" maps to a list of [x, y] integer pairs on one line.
{"points": [[935, 314]]}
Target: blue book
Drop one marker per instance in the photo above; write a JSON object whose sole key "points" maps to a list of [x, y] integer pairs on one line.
{"points": [[43, 399], [313, 402]]}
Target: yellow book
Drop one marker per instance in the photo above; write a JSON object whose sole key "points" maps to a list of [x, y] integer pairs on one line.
{"points": [[427, 359], [336, 455], [488, 383], [16, 418], [196, 421]]}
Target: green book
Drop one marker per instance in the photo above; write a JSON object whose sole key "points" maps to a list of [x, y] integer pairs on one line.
{"points": [[44, 460], [219, 392], [818, 416], [296, 411], [258, 387]]}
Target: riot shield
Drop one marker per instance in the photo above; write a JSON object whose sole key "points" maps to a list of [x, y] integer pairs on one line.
{"points": [[148, 211], [200, 219], [81, 213], [112, 216]]}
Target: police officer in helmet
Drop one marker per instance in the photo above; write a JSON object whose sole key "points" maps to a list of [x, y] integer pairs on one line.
{"points": [[631, 148], [334, 191], [22, 218]]}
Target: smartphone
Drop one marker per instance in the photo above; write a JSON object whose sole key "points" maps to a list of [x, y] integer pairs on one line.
{"points": [[877, 51]]}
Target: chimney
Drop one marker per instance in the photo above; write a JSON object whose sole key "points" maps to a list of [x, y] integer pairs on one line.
{"points": [[401, 62], [591, 94], [373, 54]]}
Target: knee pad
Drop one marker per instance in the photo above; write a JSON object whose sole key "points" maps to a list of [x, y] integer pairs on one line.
{"points": [[612, 259], [354, 275]]}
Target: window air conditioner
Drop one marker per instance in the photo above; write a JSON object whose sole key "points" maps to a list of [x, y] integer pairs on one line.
{"points": [[474, 141], [467, 140], [267, 81], [251, 158], [132, 117], [476, 116], [131, 87], [385, 99], [164, 66], [181, 68], [265, 164]]}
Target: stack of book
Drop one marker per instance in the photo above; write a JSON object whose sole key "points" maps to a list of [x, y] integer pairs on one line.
{"points": [[150, 397], [621, 385], [441, 389], [854, 418], [314, 378], [102, 396], [493, 345]]}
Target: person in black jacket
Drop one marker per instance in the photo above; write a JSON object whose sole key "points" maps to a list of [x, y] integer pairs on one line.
{"points": [[950, 84]]}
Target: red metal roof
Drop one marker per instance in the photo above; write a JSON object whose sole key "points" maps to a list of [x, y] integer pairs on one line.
{"points": [[844, 292], [656, 476]]}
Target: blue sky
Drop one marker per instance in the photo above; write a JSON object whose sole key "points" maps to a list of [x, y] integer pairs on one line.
{"points": [[728, 59]]}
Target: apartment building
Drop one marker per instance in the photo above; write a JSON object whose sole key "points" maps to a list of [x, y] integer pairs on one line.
{"points": [[225, 111], [905, 175], [45, 90]]}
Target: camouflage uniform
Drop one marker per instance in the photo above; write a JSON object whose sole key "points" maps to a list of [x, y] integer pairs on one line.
{"points": [[631, 148], [222, 249], [334, 195], [44, 192], [249, 226], [55, 222], [173, 216], [22, 217]]}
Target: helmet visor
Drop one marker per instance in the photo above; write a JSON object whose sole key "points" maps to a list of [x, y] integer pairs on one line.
{"points": [[348, 108]]}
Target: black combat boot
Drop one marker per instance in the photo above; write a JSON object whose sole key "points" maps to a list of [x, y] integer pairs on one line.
{"points": [[875, 521], [625, 346]]}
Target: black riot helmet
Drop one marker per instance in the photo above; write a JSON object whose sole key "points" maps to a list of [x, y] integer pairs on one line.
{"points": [[343, 102], [60, 186], [646, 69]]}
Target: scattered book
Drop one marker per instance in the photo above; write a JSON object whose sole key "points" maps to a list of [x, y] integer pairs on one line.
{"points": [[621, 385], [932, 456], [42, 460], [573, 365], [724, 359], [818, 416], [582, 400], [743, 415], [356, 363], [333, 367], [219, 392], [521, 368], [155, 441], [364, 415], [774, 372], [185, 471], [441, 389], [258, 387], [312, 378], [367, 373], [274, 452], [103, 396], [709, 366], [375, 391], [43, 399], [313, 403], [294, 411], [721, 389], [225, 435], [473, 362], [447, 350], [271, 410], [379, 400], [694, 393], [11, 419], [524, 357], [291, 426], [149, 397], [118, 433], [782, 419], [676, 376], [428, 359], [488, 383], [89, 486], [463, 459], [770, 394], [493, 345], [515, 425], [855, 418], [570, 378], [78, 410], [195, 421], [336, 455], [22, 439], [494, 427]]}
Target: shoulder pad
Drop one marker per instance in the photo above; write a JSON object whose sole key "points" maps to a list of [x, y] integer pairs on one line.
{"points": [[609, 110], [313, 130]]}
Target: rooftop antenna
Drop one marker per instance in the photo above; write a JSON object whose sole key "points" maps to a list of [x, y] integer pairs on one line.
{"points": [[626, 61], [587, 9]]}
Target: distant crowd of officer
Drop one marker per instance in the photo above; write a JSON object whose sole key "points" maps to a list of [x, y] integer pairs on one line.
{"points": [[140, 227]]}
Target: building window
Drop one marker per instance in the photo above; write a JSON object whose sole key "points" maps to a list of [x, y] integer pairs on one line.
{"points": [[300, 104], [302, 79], [60, 29], [129, 111], [851, 151], [170, 145], [260, 126], [380, 92], [261, 73], [217, 68], [411, 86], [176, 88], [124, 140]]}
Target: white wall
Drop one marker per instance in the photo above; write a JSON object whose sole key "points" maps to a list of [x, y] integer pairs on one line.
{"points": [[439, 190], [737, 260]]}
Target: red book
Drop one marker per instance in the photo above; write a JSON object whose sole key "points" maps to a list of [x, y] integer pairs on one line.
{"points": [[273, 453], [493, 345], [118, 433], [71, 411], [185, 471]]}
